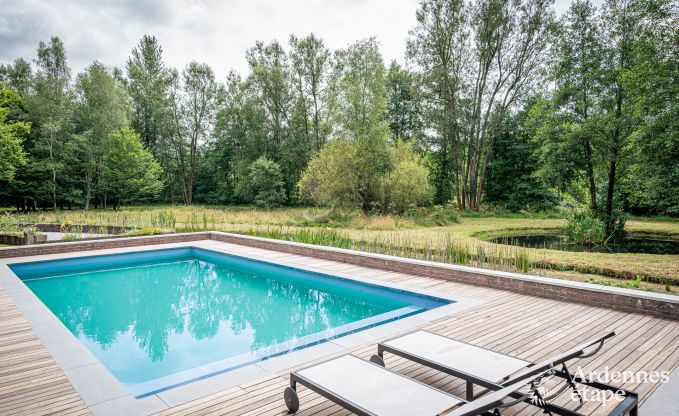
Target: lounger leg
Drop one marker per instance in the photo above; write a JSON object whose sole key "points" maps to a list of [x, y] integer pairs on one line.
{"points": [[470, 391], [291, 398], [376, 359]]}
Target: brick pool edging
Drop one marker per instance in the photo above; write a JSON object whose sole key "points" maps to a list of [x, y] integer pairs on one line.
{"points": [[625, 300], [100, 244], [80, 228]]}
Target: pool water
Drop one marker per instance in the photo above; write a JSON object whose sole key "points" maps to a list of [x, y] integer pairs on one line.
{"points": [[157, 319]]}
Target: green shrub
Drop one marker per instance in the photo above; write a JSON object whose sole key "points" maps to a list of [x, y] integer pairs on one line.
{"points": [[583, 228], [433, 217], [615, 222], [406, 185], [342, 175], [333, 218], [9, 223], [332, 177], [264, 184], [144, 231]]}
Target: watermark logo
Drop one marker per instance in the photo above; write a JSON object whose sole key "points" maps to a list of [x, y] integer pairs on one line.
{"points": [[609, 376], [553, 383]]}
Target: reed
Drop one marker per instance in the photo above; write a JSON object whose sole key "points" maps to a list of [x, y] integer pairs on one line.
{"points": [[453, 251]]}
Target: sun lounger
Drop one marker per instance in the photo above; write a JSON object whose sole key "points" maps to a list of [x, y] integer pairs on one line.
{"points": [[495, 371], [368, 389]]}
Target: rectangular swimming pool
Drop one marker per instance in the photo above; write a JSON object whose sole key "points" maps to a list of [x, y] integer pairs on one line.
{"points": [[162, 318]]}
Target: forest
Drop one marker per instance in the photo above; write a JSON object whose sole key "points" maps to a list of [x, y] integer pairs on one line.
{"points": [[499, 103]]}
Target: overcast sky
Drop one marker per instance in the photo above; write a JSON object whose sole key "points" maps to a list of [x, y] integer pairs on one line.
{"points": [[211, 31]]}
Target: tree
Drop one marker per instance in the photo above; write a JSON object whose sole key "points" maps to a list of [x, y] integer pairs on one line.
{"points": [[102, 110], [310, 68], [358, 102], [478, 61], [200, 96], [18, 76], [309, 121], [358, 94], [264, 184], [578, 75], [269, 84], [50, 109], [12, 134], [149, 81], [130, 173], [239, 137], [438, 46], [620, 21], [404, 110], [514, 181], [653, 85]]}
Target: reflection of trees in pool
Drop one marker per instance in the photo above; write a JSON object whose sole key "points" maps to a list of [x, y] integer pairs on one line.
{"points": [[279, 310], [195, 297]]}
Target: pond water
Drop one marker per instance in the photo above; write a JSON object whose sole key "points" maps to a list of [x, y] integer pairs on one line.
{"points": [[560, 242]]}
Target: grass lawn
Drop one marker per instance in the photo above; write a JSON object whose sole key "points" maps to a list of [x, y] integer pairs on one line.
{"points": [[424, 236]]}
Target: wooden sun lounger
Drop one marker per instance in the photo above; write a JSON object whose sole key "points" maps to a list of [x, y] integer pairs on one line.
{"points": [[496, 371]]}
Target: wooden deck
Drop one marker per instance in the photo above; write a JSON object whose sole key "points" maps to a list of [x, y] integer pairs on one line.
{"points": [[532, 328], [31, 382]]}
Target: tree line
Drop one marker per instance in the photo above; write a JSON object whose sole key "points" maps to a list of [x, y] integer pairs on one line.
{"points": [[500, 102]]}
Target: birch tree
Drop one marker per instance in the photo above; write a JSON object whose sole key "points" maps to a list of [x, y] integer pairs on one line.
{"points": [[478, 60], [197, 107], [102, 109], [50, 108]]}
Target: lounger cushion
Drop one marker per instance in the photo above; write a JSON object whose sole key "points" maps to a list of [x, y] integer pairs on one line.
{"points": [[376, 390], [460, 356]]}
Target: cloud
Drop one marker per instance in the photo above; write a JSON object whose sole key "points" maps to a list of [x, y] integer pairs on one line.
{"points": [[212, 31]]}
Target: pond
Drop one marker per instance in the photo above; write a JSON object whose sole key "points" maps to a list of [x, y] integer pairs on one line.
{"points": [[561, 242]]}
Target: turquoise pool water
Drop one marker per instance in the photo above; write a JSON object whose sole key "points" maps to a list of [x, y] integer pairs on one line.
{"points": [[157, 319]]}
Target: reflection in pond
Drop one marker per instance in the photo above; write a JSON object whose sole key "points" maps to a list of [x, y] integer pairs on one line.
{"points": [[150, 321], [561, 242]]}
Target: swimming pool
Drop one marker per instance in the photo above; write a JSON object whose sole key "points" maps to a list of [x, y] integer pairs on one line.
{"points": [[162, 318]]}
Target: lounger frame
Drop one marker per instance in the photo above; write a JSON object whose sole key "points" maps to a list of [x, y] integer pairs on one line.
{"points": [[628, 405]]}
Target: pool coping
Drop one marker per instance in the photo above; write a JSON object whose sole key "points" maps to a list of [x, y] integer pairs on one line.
{"points": [[104, 394]]}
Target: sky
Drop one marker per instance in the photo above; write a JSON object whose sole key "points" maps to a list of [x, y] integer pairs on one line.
{"points": [[211, 31]]}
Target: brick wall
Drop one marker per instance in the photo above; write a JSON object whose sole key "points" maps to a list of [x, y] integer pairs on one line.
{"points": [[56, 248], [95, 229]]}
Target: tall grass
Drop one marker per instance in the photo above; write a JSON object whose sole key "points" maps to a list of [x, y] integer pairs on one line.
{"points": [[439, 238], [319, 236], [452, 251]]}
